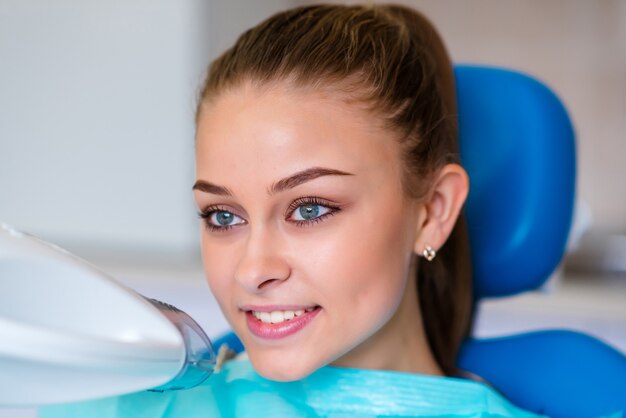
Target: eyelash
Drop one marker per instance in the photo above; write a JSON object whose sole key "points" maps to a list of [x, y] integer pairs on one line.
{"points": [[311, 200], [302, 201], [206, 214]]}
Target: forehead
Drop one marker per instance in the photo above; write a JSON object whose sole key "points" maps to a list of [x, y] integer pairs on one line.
{"points": [[269, 132]]}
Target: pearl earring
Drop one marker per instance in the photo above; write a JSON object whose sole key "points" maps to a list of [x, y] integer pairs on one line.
{"points": [[429, 253]]}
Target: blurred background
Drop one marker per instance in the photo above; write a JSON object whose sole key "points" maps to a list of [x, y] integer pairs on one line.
{"points": [[97, 102]]}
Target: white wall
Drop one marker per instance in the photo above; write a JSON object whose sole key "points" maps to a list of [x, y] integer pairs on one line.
{"points": [[96, 111]]}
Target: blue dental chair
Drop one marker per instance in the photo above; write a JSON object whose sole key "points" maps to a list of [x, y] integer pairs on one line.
{"points": [[517, 144]]}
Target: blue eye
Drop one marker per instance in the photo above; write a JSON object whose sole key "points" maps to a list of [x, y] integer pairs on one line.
{"points": [[223, 218], [310, 210], [307, 212], [219, 220]]}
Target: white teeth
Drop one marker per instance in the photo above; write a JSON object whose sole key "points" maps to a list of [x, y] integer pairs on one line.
{"points": [[276, 317], [265, 317]]}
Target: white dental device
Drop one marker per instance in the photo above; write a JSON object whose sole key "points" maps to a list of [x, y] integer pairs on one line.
{"points": [[68, 332]]}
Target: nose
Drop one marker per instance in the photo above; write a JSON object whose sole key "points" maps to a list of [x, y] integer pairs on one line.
{"points": [[261, 266]]}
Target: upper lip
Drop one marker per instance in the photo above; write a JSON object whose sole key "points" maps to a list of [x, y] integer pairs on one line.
{"points": [[271, 308]]}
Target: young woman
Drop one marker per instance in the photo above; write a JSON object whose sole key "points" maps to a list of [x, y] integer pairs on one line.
{"points": [[330, 192]]}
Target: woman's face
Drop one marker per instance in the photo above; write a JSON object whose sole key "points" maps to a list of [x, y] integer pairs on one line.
{"points": [[307, 236]]}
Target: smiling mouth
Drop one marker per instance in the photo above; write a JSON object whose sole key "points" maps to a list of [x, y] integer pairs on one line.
{"points": [[269, 323], [278, 317]]}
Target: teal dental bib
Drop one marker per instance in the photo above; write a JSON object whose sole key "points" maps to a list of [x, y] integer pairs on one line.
{"points": [[238, 391]]}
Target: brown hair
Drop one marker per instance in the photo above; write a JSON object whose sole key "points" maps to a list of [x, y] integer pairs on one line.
{"points": [[391, 59]]}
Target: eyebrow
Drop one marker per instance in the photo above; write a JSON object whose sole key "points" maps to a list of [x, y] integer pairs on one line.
{"points": [[302, 177], [277, 187], [205, 186]]}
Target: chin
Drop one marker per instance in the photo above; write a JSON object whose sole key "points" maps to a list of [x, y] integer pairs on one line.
{"points": [[271, 368]]}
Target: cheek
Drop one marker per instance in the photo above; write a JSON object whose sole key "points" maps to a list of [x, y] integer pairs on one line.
{"points": [[378, 276], [218, 271], [364, 267]]}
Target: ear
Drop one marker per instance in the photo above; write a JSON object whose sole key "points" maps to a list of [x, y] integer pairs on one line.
{"points": [[442, 208]]}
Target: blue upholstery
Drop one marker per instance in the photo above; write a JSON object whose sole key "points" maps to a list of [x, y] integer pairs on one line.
{"points": [[557, 373], [517, 144]]}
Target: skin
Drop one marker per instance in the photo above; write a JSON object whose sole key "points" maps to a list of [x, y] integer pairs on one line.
{"points": [[357, 265]]}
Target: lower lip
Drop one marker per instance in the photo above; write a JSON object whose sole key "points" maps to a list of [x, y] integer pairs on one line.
{"points": [[281, 330]]}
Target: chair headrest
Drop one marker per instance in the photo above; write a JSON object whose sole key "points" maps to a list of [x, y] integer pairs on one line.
{"points": [[517, 145]]}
